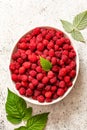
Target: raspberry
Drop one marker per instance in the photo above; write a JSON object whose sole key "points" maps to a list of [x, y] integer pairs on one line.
{"points": [[40, 86], [32, 46], [55, 68], [14, 77], [50, 45], [58, 54], [69, 84], [47, 88], [45, 80], [24, 78], [65, 52], [40, 47], [45, 42], [23, 39], [59, 34], [32, 73], [64, 58], [18, 85], [55, 38], [48, 36], [16, 71], [20, 60], [33, 66], [39, 76], [31, 86], [28, 52], [35, 82], [72, 55], [24, 84], [62, 72], [61, 63], [60, 77], [53, 88], [48, 58], [30, 78], [53, 80], [26, 65], [54, 60], [44, 32], [21, 70], [23, 46], [36, 31], [55, 96], [72, 64], [29, 92], [39, 38], [37, 93], [41, 98], [28, 37], [39, 69], [46, 52], [68, 69], [51, 53], [61, 84], [32, 57], [59, 43], [22, 91], [66, 46], [50, 74], [72, 73], [67, 79], [56, 47], [48, 100], [48, 94], [12, 66], [60, 92]]}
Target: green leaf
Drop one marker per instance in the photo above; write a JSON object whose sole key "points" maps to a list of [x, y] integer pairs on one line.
{"points": [[37, 122], [21, 128], [28, 113], [14, 120], [80, 20], [67, 26], [46, 64], [15, 107], [77, 35]]}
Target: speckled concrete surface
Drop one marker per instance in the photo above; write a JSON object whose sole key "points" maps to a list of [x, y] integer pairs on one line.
{"points": [[16, 18]]}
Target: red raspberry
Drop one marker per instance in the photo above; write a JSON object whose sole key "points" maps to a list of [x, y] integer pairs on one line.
{"points": [[47, 88], [68, 69], [39, 76], [28, 36], [23, 56], [32, 46], [67, 79], [69, 84], [14, 77], [53, 80], [64, 58], [55, 38], [61, 84], [44, 32], [33, 66], [45, 80], [65, 52], [24, 77], [28, 52], [23, 46], [48, 58], [72, 73], [60, 77], [26, 65], [54, 60], [72, 55], [35, 82], [32, 58], [72, 64], [31, 86], [60, 92], [39, 69], [43, 92], [58, 54], [40, 47], [59, 34], [66, 46], [29, 92], [21, 70], [18, 85], [30, 78], [48, 36], [55, 96], [16, 71], [39, 38], [24, 84], [32, 73], [56, 47], [46, 52], [62, 72], [41, 98], [51, 53], [58, 42], [45, 42], [53, 88], [50, 74], [61, 63], [48, 94], [36, 31], [55, 68], [36, 93], [12, 66], [22, 91], [48, 100], [20, 60], [67, 41], [50, 45], [23, 39], [40, 86]]}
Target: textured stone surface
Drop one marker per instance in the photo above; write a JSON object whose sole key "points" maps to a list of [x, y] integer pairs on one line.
{"points": [[16, 18]]}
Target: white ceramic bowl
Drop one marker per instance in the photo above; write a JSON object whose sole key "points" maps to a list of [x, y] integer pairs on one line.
{"points": [[66, 93]]}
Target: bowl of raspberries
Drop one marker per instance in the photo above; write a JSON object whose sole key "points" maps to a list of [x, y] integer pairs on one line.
{"points": [[44, 66]]}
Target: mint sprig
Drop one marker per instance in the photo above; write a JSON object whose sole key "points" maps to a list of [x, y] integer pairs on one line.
{"points": [[79, 23], [17, 111], [45, 64]]}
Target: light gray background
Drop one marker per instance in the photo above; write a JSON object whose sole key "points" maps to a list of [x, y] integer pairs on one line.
{"points": [[16, 18]]}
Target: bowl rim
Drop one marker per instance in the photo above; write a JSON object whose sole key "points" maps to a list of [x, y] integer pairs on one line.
{"points": [[30, 100]]}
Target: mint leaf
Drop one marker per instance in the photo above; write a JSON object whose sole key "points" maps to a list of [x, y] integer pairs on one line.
{"points": [[80, 20], [46, 64], [28, 113], [37, 122], [15, 107], [77, 35], [67, 26], [21, 128]]}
